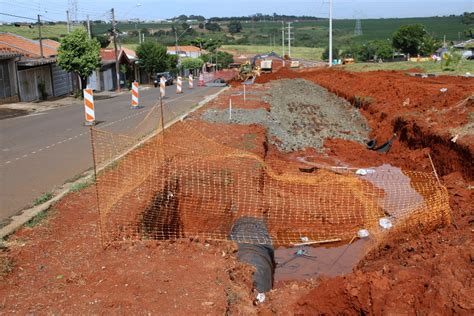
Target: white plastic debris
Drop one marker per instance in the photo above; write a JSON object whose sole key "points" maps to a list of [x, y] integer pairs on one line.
{"points": [[385, 223], [261, 297], [304, 239], [455, 138], [443, 90], [363, 172], [363, 233]]}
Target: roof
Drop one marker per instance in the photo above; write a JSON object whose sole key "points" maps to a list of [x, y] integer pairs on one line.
{"points": [[6, 53], [108, 56], [187, 49], [26, 47], [51, 43], [465, 44], [131, 54]]}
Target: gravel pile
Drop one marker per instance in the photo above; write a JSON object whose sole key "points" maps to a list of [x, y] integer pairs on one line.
{"points": [[302, 114]]}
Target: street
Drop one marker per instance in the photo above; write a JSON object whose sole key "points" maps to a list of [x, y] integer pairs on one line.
{"points": [[42, 151]]}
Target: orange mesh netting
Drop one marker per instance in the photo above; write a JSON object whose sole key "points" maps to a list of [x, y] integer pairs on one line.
{"points": [[183, 184]]}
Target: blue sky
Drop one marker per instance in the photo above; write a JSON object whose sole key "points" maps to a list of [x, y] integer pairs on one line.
{"points": [[162, 9]]}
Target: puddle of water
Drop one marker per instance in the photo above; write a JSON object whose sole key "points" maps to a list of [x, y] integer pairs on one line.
{"points": [[399, 195], [318, 261], [398, 200]]}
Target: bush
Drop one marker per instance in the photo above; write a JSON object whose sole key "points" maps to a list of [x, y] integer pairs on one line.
{"points": [[335, 53]]}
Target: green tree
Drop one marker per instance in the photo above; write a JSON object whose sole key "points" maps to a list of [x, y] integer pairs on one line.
{"points": [[211, 45], [79, 54], [468, 18], [185, 26], [413, 39], [103, 40], [223, 58], [192, 63], [198, 42], [234, 27], [152, 58], [469, 33], [213, 27], [335, 53]]}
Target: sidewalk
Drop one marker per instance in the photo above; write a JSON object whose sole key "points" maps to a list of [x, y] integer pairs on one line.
{"points": [[11, 110]]}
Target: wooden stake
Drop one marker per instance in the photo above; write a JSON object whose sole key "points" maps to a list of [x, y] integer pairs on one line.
{"points": [[316, 242]]}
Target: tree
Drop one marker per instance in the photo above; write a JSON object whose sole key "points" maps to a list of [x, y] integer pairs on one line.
{"points": [[213, 27], [370, 50], [103, 40], [185, 26], [469, 33], [79, 54], [152, 58], [467, 18], [223, 58], [192, 63], [413, 39], [234, 27], [211, 45], [335, 53], [198, 42]]}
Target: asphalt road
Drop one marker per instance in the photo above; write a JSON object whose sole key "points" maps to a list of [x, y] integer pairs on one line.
{"points": [[40, 152]]}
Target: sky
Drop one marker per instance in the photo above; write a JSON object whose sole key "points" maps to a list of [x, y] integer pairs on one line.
{"points": [[55, 10]]}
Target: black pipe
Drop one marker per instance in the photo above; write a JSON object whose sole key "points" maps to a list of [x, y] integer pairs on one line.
{"points": [[256, 249]]}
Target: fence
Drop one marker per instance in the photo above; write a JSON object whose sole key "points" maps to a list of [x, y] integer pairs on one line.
{"points": [[183, 184]]}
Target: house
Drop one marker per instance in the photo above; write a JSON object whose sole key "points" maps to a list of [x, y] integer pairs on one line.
{"points": [[466, 47], [37, 72], [185, 51], [8, 76], [104, 78]]}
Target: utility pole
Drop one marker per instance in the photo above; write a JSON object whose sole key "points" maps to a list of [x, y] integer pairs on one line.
{"points": [[330, 33], [68, 22], [282, 39], [114, 33], [289, 39], [40, 37], [89, 27]]}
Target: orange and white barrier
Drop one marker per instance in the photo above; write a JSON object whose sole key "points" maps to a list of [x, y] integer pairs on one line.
{"points": [[201, 80], [135, 96], [179, 85], [89, 107], [162, 87], [191, 81]]}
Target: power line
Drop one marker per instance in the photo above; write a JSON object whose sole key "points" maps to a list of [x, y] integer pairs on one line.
{"points": [[18, 16]]}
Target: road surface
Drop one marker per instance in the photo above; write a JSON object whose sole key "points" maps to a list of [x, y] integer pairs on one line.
{"points": [[40, 152]]}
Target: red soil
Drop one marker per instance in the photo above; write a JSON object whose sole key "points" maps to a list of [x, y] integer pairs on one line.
{"points": [[60, 267]]}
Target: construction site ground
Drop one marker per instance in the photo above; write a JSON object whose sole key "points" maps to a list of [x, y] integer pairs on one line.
{"points": [[58, 266]]}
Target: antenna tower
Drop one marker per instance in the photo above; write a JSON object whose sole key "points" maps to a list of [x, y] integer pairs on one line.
{"points": [[358, 28]]}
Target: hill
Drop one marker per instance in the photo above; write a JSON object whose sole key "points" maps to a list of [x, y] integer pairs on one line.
{"points": [[307, 33]]}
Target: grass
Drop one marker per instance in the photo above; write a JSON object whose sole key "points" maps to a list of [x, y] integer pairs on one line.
{"points": [[308, 53], [81, 185], [431, 67], [43, 198], [47, 31], [37, 219]]}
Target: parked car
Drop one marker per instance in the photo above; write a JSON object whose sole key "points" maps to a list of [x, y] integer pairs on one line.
{"points": [[168, 77]]}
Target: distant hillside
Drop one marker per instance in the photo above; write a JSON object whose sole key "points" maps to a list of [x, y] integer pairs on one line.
{"points": [[307, 33]]}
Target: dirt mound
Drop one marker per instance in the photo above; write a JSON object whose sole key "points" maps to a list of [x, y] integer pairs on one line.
{"points": [[416, 273]]}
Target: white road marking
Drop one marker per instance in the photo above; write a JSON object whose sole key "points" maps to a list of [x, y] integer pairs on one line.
{"points": [[83, 133]]}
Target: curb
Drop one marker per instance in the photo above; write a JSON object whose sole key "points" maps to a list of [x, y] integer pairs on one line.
{"points": [[17, 221]]}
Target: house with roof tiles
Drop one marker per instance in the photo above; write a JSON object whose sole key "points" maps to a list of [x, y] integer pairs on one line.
{"points": [[185, 51], [29, 71], [103, 79]]}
